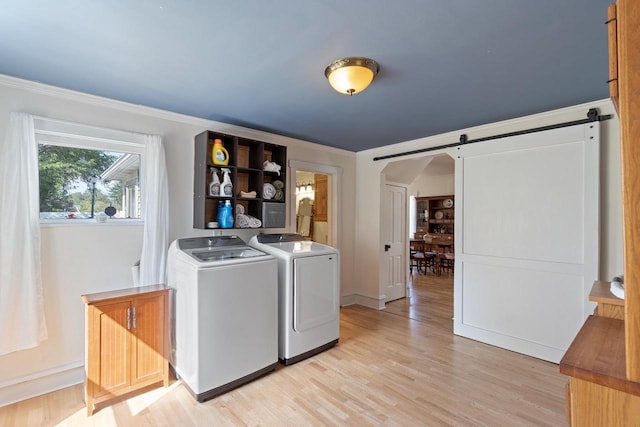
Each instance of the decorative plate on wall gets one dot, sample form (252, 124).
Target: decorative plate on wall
(448, 203)
(438, 215)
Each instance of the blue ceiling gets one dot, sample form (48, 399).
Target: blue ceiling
(444, 64)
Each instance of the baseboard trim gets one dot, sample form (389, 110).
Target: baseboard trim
(38, 383)
(377, 303)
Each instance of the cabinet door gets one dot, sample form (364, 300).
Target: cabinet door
(112, 349)
(320, 202)
(422, 217)
(149, 346)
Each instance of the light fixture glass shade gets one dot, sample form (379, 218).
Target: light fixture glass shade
(351, 75)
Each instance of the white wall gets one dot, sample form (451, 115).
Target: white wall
(368, 286)
(96, 257)
(426, 185)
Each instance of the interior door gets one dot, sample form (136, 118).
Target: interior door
(526, 239)
(394, 225)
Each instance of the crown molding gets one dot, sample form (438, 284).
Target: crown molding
(85, 98)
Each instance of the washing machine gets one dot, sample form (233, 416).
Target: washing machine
(224, 313)
(308, 294)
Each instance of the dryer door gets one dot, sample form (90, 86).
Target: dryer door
(315, 291)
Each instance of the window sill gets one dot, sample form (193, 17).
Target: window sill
(47, 223)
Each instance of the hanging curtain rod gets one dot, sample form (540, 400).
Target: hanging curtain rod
(592, 116)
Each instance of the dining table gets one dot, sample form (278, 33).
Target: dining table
(437, 244)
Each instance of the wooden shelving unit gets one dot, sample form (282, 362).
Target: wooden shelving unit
(246, 159)
(435, 216)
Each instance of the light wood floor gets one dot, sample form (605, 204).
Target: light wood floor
(429, 300)
(398, 367)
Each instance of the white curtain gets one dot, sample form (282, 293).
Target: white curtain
(22, 320)
(155, 213)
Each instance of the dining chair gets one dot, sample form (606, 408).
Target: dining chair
(417, 260)
(430, 258)
(446, 262)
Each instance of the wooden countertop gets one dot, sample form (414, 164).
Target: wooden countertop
(101, 296)
(601, 293)
(597, 355)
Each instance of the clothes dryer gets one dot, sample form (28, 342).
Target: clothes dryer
(308, 294)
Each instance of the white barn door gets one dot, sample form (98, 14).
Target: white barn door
(527, 239)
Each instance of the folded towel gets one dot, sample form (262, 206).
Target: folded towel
(242, 221)
(272, 167)
(246, 221)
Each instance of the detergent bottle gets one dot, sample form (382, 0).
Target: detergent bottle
(227, 186)
(214, 187)
(219, 154)
(221, 214)
(225, 215)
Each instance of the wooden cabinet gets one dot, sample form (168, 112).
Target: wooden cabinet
(126, 341)
(246, 163)
(599, 392)
(628, 54)
(320, 198)
(603, 362)
(435, 216)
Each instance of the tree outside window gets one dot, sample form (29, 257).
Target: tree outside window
(72, 184)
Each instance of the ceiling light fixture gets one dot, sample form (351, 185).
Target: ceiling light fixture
(351, 75)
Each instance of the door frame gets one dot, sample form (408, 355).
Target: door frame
(333, 198)
(383, 181)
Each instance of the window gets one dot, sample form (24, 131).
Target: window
(412, 217)
(87, 172)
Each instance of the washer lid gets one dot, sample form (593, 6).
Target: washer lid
(222, 254)
(210, 242)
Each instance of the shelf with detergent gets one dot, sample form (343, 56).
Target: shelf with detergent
(246, 162)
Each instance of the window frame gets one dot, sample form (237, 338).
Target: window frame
(75, 135)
